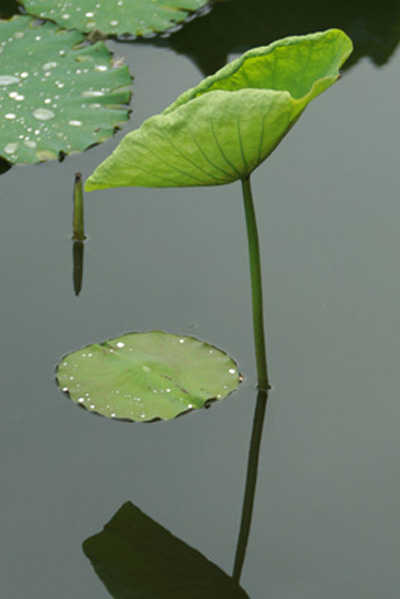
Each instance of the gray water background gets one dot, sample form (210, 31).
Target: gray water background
(326, 520)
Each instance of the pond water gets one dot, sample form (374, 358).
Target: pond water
(326, 515)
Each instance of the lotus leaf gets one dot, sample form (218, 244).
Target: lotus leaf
(55, 95)
(115, 17)
(222, 129)
(147, 376)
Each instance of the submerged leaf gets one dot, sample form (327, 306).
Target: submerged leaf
(115, 17)
(147, 376)
(222, 129)
(55, 96)
(137, 558)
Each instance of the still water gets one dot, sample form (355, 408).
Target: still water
(326, 516)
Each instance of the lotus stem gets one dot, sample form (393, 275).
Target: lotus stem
(78, 219)
(256, 285)
(251, 480)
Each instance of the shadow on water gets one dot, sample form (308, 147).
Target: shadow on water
(9, 8)
(235, 26)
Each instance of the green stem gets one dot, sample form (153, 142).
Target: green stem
(251, 480)
(262, 378)
(256, 285)
(78, 220)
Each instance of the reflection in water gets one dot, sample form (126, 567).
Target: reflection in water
(8, 8)
(78, 250)
(135, 557)
(4, 166)
(236, 26)
(251, 481)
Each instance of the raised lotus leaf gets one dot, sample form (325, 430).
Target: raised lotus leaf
(147, 376)
(56, 96)
(223, 128)
(115, 17)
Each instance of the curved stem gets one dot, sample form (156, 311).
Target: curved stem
(262, 378)
(251, 480)
(256, 285)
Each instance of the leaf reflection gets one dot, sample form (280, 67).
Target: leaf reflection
(135, 557)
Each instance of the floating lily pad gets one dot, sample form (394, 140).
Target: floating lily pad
(115, 17)
(223, 128)
(147, 376)
(55, 95)
(136, 558)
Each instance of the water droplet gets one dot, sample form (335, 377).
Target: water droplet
(19, 98)
(11, 148)
(65, 389)
(120, 344)
(10, 116)
(113, 23)
(8, 79)
(43, 114)
(30, 143)
(92, 407)
(190, 406)
(113, 415)
(24, 75)
(47, 101)
(181, 341)
(89, 14)
(168, 390)
(232, 371)
(81, 400)
(65, 16)
(101, 67)
(92, 93)
(49, 65)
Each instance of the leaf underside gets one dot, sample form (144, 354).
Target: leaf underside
(222, 129)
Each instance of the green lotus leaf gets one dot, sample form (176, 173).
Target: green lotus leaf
(222, 129)
(136, 558)
(147, 376)
(115, 17)
(55, 95)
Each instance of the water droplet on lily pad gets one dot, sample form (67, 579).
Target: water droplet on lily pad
(148, 376)
(34, 98)
(43, 114)
(115, 17)
(8, 79)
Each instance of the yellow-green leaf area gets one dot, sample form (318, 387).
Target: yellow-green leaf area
(147, 376)
(115, 17)
(222, 129)
(56, 95)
